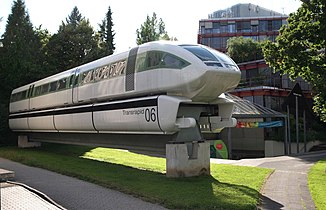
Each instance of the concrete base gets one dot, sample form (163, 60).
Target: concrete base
(24, 143)
(180, 164)
(276, 148)
(6, 175)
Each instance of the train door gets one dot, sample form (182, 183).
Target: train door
(75, 82)
(29, 95)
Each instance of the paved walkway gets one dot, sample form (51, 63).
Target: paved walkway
(69, 192)
(287, 187)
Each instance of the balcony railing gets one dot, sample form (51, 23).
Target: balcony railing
(283, 83)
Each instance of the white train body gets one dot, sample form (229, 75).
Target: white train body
(145, 90)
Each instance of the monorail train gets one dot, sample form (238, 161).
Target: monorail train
(155, 88)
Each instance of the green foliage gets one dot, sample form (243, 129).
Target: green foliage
(106, 34)
(73, 45)
(317, 184)
(242, 49)
(228, 187)
(299, 50)
(20, 59)
(151, 30)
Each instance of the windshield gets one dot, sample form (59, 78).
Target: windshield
(211, 57)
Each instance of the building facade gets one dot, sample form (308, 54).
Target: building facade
(247, 20)
(259, 83)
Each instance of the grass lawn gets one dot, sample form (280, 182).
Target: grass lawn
(228, 187)
(317, 184)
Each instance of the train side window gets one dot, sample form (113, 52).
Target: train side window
(62, 84)
(53, 86)
(71, 80)
(88, 77)
(37, 91)
(154, 59)
(98, 73)
(117, 68)
(140, 62)
(44, 89)
(76, 77)
(174, 62)
(13, 97)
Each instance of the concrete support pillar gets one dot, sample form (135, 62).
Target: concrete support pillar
(24, 143)
(182, 162)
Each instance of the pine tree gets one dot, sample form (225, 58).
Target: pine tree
(21, 52)
(73, 45)
(75, 18)
(20, 60)
(107, 35)
(151, 30)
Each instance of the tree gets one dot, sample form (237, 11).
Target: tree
(299, 50)
(107, 35)
(244, 49)
(75, 43)
(20, 59)
(151, 30)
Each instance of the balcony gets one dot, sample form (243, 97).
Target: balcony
(277, 82)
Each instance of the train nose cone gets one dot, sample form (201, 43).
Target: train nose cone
(215, 83)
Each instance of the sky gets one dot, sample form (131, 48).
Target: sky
(181, 17)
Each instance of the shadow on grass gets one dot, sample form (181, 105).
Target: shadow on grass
(205, 192)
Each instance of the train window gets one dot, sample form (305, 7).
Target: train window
(44, 89)
(62, 84)
(202, 53)
(98, 73)
(87, 77)
(174, 62)
(159, 59)
(53, 86)
(153, 59)
(140, 62)
(71, 80)
(117, 68)
(37, 91)
(18, 96)
(76, 77)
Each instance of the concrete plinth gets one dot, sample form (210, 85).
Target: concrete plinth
(24, 143)
(6, 175)
(180, 164)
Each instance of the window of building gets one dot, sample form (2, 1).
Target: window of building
(231, 28)
(246, 26)
(224, 42)
(262, 37)
(224, 27)
(259, 100)
(216, 42)
(208, 31)
(276, 24)
(263, 25)
(270, 25)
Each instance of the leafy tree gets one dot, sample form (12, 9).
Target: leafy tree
(44, 35)
(244, 49)
(107, 35)
(20, 58)
(75, 43)
(299, 50)
(151, 30)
